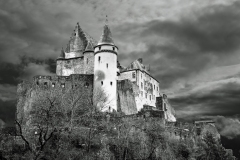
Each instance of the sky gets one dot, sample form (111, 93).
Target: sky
(192, 47)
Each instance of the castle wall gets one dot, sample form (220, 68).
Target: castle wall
(66, 67)
(29, 91)
(126, 97)
(148, 87)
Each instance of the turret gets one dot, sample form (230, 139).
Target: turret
(105, 68)
(89, 59)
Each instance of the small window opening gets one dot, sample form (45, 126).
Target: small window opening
(114, 48)
(99, 47)
(99, 58)
(101, 82)
(145, 95)
(133, 75)
(111, 83)
(87, 60)
(118, 74)
(141, 85)
(165, 107)
(86, 84)
(107, 65)
(37, 82)
(150, 97)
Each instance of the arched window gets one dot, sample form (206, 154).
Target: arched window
(101, 82)
(111, 83)
(99, 58)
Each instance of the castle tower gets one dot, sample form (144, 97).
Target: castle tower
(89, 59)
(105, 68)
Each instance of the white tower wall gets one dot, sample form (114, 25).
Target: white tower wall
(105, 74)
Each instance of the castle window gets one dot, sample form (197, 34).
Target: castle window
(111, 83)
(63, 85)
(86, 84)
(53, 84)
(165, 107)
(118, 74)
(101, 82)
(150, 97)
(154, 86)
(141, 85)
(99, 58)
(99, 48)
(107, 65)
(114, 48)
(87, 60)
(133, 75)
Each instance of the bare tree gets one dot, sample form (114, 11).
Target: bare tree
(45, 120)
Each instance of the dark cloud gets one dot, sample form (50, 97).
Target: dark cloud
(187, 46)
(228, 127)
(7, 111)
(218, 99)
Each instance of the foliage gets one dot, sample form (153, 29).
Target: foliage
(61, 126)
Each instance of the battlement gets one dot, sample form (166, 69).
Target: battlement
(64, 81)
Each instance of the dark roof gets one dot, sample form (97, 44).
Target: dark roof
(106, 36)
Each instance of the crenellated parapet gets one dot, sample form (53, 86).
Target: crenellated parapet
(71, 81)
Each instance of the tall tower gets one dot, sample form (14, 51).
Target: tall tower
(105, 68)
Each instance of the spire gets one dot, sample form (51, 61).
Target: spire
(77, 30)
(106, 35)
(62, 55)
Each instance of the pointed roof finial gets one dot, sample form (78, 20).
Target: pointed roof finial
(106, 21)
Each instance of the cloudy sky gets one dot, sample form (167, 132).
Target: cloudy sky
(192, 46)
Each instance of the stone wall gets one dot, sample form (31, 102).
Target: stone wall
(28, 91)
(66, 67)
(88, 62)
(126, 97)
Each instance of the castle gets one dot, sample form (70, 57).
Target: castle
(92, 65)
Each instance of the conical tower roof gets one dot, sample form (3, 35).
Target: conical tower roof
(89, 47)
(106, 37)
